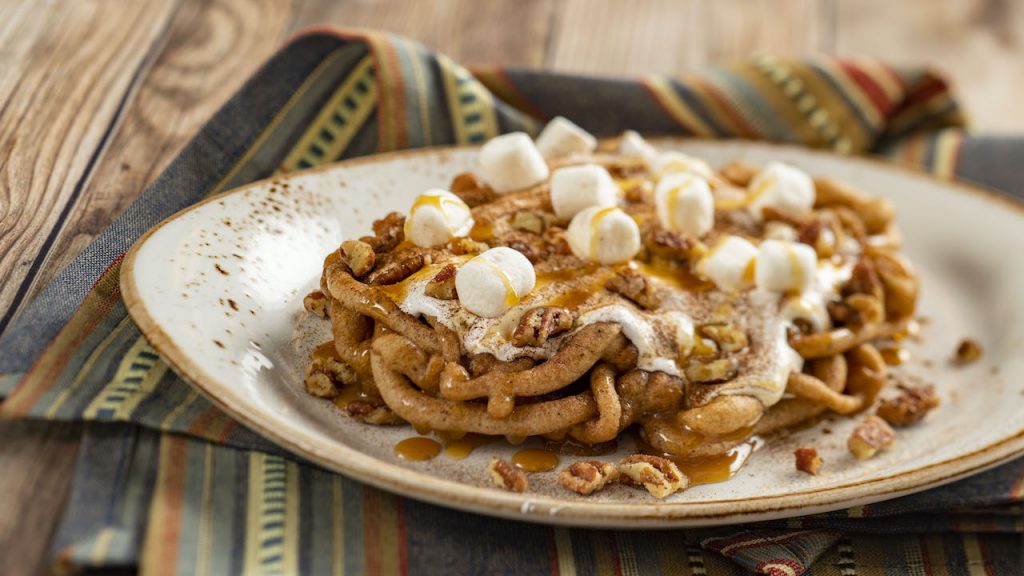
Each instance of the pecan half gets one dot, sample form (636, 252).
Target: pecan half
(316, 302)
(672, 245)
(397, 270)
(388, 232)
(659, 476)
(588, 476)
(359, 256)
(462, 245)
(539, 324)
(530, 221)
(910, 406)
(869, 437)
(968, 351)
(635, 286)
(325, 376)
(442, 285)
(807, 460)
(472, 189)
(372, 413)
(729, 338)
(505, 475)
(712, 372)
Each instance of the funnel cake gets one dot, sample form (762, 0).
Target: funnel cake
(660, 342)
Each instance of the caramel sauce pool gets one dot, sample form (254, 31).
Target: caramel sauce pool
(417, 448)
(535, 460)
(460, 449)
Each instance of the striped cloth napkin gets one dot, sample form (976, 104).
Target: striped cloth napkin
(167, 482)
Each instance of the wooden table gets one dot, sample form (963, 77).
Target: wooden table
(97, 96)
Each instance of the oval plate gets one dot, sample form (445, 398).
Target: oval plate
(218, 290)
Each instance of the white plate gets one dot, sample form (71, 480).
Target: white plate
(259, 249)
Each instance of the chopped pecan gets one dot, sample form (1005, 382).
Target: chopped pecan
(319, 384)
(325, 376)
(968, 351)
(712, 372)
(530, 221)
(673, 246)
(588, 476)
(472, 189)
(857, 310)
(532, 252)
(505, 475)
(739, 173)
(910, 406)
(442, 285)
(864, 280)
(359, 256)
(556, 241)
(316, 302)
(388, 232)
(807, 460)
(659, 476)
(398, 270)
(818, 234)
(635, 286)
(729, 338)
(462, 245)
(869, 437)
(539, 324)
(372, 413)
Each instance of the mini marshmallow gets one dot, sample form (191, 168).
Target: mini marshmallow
(511, 162)
(787, 190)
(494, 281)
(784, 266)
(809, 308)
(436, 217)
(603, 235)
(633, 144)
(673, 161)
(685, 204)
(561, 138)
(574, 188)
(728, 264)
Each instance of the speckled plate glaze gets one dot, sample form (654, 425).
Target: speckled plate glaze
(218, 291)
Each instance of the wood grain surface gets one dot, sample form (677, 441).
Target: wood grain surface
(97, 97)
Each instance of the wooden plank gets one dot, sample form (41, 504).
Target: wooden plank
(67, 66)
(211, 47)
(600, 37)
(978, 44)
(469, 31)
(38, 460)
(672, 36)
(734, 29)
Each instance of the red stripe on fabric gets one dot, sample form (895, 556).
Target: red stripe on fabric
(19, 405)
(748, 540)
(926, 560)
(521, 101)
(371, 530)
(654, 96)
(553, 554)
(400, 118)
(1017, 489)
(228, 430)
(614, 546)
(924, 91)
(871, 89)
(728, 109)
(174, 489)
(985, 558)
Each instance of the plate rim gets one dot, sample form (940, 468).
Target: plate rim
(423, 486)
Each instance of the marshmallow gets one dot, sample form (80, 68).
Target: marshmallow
(561, 138)
(784, 266)
(673, 161)
(436, 217)
(685, 204)
(494, 281)
(809, 308)
(604, 235)
(511, 162)
(574, 188)
(787, 190)
(633, 144)
(728, 264)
